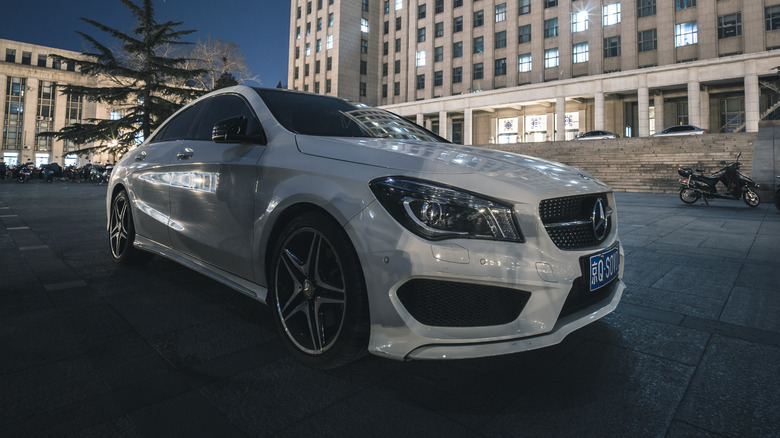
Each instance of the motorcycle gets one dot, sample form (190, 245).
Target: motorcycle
(695, 185)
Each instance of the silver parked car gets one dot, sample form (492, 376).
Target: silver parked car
(596, 135)
(365, 232)
(680, 130)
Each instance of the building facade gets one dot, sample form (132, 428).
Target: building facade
(31, 103)
(506, 71)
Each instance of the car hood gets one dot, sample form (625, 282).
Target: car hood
(456, 164)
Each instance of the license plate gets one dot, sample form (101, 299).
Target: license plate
(604, 267)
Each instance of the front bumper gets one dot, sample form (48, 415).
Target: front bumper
(392, 257)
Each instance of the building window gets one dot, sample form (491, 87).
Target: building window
(771, 14)
(41, 60)
(479, 45)
(329, 42)
(684, 4)
(14, 110)
(610, 14)
(399, 4)
(26, 58)
(525, 7)
(551, 58)
(685, 34)
(421, 11)
(319, 5)
(457, 24)
(317, 66)
(297, 52)
(579, 21)
(438, 54)
(318, 46)
(384, 90)
(397, 23)
(362, 89)
(45, 114)
(71, 66)
(524, 63)
(387, 7)
(330, 19)
(319, 24)
(396, 89)
(439, 6)
(386, 28)
(363, 67)
(307, 50)
(551, 27)
(306, 69)
(730, 25)
(500, 67)
(550, 3)
(457, 3)
(579, 53)
(457, 49)
(645, 8)
(439, 29)
(438, 78)
(298, 32)
(421, 35)
(648, 40)
(363, 46)
(682, 113)
(317, 87)
(365, 5)
(500, 12)
(329, 63)
(500, 39)
(421, 82)
(457, 75)
(732, 113)
(524, 34)
(397, 45)
(612, 47)
(327, 86)
(479, 70)
(364, 25)
(10, 55)
(55, 63)
(397, 66)
(308, 7)
(420, 59)
(308, 28)
(384, 69)
(479, 18)
(385, 47)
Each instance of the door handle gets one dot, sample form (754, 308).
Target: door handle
(185, 154)
(141, 156)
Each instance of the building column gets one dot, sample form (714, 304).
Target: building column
(658, 107)
(694, 98)
(560, 117)
(752, 113)
(598, 123)
(421, 119)
(705, 109)
(643, 95)
(467, 116)
(443, 124)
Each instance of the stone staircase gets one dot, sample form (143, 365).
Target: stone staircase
(644, 164)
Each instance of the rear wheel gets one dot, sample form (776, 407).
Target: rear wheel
(318, 293)
(751, 198)
(121, 233)
(688, 195)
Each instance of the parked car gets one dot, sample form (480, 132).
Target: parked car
(680, 130)
(366, 233)
(596, 135)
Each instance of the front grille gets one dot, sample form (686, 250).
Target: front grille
(449, 304)
(569, 220)
(580, 296)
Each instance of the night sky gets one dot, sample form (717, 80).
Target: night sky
(259, 27)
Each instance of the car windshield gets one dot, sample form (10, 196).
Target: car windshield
(325, 116)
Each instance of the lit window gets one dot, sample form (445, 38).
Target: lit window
(364, 25)
(420, 59)
(524, 63)
(307, 52)
(579, 21)
(500, 12)
(610, 14)
(551, 58)
(685, 34)
(319, 45)
(580, 53)
(399, 4)
(329, 42)
(330, 19)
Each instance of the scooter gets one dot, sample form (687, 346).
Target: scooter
(697, 185)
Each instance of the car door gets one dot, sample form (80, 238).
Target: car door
(149, 173)
(212, 190)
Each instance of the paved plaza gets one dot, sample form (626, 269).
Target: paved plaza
(89, 348)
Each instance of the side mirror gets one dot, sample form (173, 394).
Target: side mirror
(233, 130)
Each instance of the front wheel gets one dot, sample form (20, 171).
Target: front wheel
(318, 294)
(688, 195)
(751, 198)
(121, 233)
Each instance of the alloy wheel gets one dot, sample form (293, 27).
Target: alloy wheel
(119, 232)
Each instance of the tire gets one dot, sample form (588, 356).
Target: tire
(688, 195)
(318, 293)
(751, 198)
(121, 233)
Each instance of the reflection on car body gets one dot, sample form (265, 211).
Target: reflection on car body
(366, 233)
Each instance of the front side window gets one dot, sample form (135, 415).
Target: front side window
(551, 27)
(551, 58)
(730, 25)
(610, 14)
(579, 21)
(524, 63)
(685, 34)
(580, 53)
(612, 47)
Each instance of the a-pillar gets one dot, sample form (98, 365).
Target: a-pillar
(751, 97)
(643, 95)
(443, 124)
(560, 116)
(658, 105)
(599, 110)
(694, 98)
(467, 118)
(705, 109)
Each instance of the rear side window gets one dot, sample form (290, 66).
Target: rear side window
(224, 107)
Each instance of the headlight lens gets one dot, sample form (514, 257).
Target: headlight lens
(437, 212)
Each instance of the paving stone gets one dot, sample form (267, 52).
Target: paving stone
(752, 307)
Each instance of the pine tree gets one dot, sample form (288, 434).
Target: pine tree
(136, 77)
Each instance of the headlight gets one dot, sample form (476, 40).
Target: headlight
(436, 212)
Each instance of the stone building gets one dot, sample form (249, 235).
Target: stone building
(506, 71)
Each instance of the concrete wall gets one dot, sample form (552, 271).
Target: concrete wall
(646, 164)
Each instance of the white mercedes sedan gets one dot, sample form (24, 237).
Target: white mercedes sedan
(364, 232)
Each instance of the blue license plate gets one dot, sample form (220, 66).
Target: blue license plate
(604, 267)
